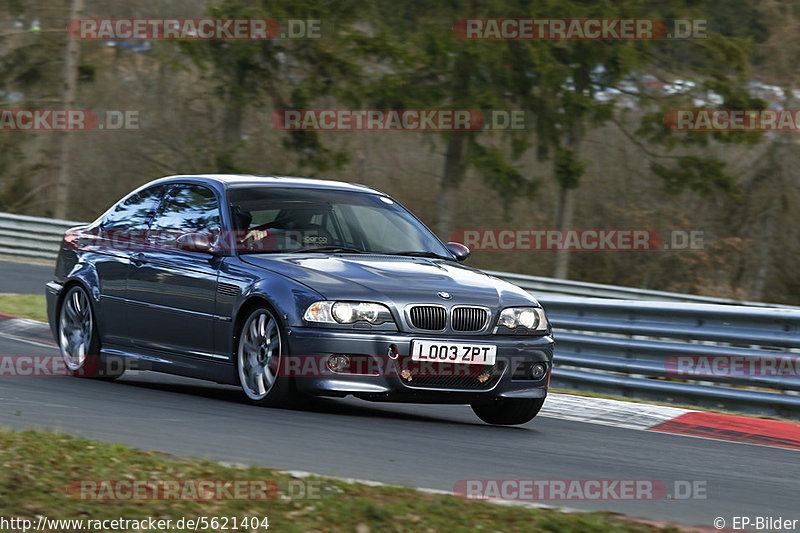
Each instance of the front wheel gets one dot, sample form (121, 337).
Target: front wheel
(508, 411)
(258, 360)
(79, 341)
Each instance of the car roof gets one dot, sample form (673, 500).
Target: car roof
(236, 180)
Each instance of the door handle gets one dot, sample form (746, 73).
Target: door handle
(138, 259)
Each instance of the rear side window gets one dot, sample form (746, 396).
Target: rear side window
(189, 208)
(134, 212)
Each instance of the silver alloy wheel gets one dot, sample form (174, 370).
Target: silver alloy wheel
(259, 354)
(75, 328)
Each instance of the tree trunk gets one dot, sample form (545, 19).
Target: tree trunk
(454, 156)
(566, 209)
(765, 237)
(71, 61)
(566, 215)
(232, 115)
(448, 186)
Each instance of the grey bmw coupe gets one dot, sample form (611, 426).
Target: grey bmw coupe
(291, 287)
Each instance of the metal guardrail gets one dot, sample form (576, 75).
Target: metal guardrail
(611, 339)
(33, 237)
(541, 285)
(733, 357)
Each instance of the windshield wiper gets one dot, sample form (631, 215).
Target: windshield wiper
(432, 255)
(327, 249)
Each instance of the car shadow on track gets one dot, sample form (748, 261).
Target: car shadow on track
(333, 406)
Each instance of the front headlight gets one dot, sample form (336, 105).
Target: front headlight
(327, 312)
(529, 318)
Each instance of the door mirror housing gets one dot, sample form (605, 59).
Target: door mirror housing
(460, 251)
(194, 242)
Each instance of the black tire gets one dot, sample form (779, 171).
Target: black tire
(508, 411)
(278, 393)
(79, 341)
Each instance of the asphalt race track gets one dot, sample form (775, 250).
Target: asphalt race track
(414, 445)
(24, 278)
(423, 446)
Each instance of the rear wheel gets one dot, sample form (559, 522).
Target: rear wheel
(258, 360)
(79, 341)
(508, 411)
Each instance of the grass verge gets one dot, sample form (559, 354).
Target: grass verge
(38, 466)
(24, 305)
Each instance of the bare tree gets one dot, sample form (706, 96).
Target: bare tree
(72, 55)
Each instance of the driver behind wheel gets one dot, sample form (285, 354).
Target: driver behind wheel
(291, 230)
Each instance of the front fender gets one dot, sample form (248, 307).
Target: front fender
(286, 296)
(289, 298)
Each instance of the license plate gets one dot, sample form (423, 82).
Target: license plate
(453, 352)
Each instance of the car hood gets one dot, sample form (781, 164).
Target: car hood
(401, 280)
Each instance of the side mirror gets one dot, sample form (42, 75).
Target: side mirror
(193, 242)
(460, 251)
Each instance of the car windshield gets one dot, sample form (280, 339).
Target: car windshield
(274, 220)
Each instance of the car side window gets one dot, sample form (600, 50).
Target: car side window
(134, 212)
(187, 209)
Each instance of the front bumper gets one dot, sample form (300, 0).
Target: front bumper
(512, 351)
